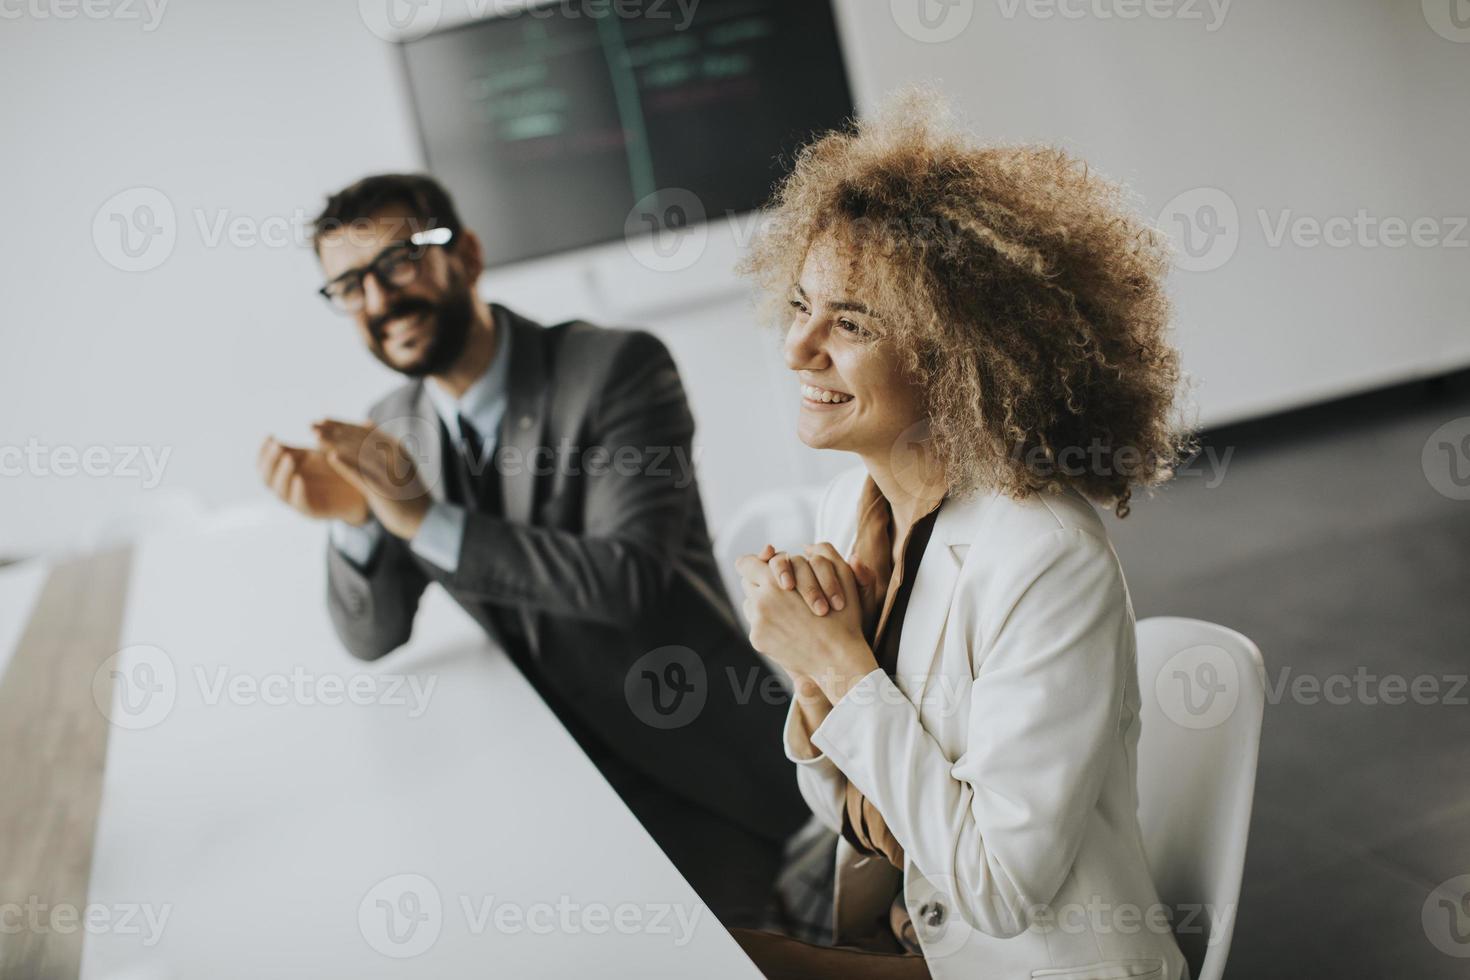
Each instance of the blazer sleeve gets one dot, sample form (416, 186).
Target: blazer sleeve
(1002, 824)
(817, 776)
(373, 605)
(637, 508)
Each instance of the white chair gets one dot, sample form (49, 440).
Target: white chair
(1204, 691)
(784, 518)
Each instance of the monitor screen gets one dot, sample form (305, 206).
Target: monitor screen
(549, 126)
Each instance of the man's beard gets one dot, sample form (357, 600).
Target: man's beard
(451, 318)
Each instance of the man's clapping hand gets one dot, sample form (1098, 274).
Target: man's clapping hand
(378, 466)
(304, 479)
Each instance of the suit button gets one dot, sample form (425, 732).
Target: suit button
(932, 913)
(356, 604)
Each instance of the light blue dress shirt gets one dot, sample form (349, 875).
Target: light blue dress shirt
(438, 539)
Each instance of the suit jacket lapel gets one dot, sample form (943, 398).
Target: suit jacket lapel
(425, 443)
(525, 415)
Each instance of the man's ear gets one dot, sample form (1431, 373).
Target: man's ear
(471, 254)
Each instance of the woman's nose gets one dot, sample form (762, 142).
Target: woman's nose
(804, 348)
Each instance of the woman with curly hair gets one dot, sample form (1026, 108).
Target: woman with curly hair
(985, 327)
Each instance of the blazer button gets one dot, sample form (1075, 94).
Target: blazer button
(932, 913)
(356, 603)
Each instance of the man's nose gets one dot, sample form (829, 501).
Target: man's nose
(805, 347)
(374, 296)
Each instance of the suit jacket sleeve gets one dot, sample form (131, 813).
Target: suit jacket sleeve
(373, 606)
(639, 501)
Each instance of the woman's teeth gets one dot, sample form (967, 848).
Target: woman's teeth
(823, 395)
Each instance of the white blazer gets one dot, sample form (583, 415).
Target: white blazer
(1003, 754)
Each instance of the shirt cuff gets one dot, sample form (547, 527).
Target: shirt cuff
(439, 537)
(357, 544)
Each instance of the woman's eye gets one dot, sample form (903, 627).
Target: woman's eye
(797, 304)
(852, 328)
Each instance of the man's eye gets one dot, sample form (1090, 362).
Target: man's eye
(797, 304)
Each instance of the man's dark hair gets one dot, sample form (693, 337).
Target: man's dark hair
(424, 197)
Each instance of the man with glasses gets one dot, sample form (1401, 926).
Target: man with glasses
(535, 474)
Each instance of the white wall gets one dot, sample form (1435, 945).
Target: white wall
(1316, 108)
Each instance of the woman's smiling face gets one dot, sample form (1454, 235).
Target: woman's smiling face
(854, 394)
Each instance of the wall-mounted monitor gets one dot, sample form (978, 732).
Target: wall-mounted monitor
(549, 125)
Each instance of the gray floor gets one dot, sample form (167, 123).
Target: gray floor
(1326, 543)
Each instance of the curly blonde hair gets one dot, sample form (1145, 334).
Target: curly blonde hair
(1026, 298)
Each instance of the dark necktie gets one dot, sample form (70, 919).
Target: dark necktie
(480, 483)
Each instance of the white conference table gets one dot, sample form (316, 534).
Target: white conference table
(273, 807)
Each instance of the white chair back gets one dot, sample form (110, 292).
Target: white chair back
(1204, 691)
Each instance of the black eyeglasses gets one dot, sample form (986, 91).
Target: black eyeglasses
(395, 267)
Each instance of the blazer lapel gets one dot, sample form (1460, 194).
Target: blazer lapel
(525, 415)
(929, 602)
(425, 443)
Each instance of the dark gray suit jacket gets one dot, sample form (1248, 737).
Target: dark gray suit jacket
(601, 557)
